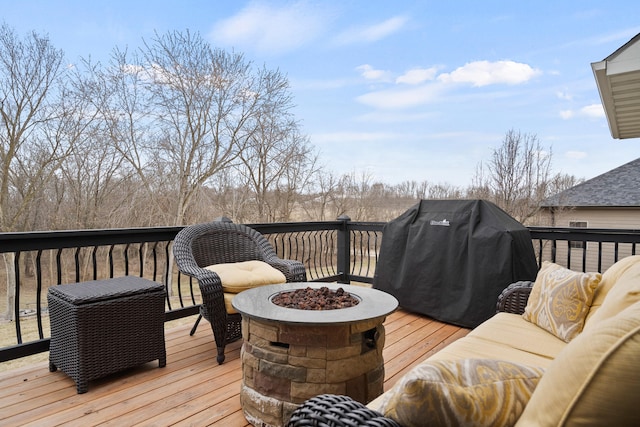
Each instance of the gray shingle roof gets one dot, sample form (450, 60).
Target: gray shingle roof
(620, 187)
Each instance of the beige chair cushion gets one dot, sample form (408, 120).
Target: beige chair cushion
(623, 290)
(228, 298)
(240, 276)
(473, 392)
(595, 380)
(560, 300)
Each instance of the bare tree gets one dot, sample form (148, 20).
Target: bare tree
(318, 202)
(300, 177)
(277, 165)
(518, 177)
(180, 112)
(30, 107)
(38, 124)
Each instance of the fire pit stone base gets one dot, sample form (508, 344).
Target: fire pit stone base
(285, 364)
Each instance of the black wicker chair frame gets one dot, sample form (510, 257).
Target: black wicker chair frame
(330, 410)
(514, 297)
(219, 242)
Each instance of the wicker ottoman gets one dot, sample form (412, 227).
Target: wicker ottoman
(104, 326)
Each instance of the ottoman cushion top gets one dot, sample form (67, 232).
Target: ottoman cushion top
(102, 290)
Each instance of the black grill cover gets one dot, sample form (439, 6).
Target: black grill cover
(450, 259)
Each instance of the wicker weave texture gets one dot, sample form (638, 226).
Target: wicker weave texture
(514, 297)
(330, 410)
(92, 340)
(218, 242)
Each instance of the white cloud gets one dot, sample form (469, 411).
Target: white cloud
(566, 114)
(346, 137)
(575, 155)
(595, 111)
(370, 73)
(400, 98)
(318, 84)
(394, 117)
(372, 33)
(417, 76)
(269, 28)
(564, 95)
(483, 73)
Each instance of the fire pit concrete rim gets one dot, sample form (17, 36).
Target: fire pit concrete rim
(256, 303)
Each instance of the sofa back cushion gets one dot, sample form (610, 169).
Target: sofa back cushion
(595, 380)
(619, 288)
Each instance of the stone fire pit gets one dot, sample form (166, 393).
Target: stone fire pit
(290, 355)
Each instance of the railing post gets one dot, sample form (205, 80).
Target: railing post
(344, 249)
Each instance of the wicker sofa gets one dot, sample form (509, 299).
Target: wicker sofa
(563, 350)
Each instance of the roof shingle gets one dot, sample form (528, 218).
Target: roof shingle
(620, 187)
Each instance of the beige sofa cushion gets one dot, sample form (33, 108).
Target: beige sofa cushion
(513, 331)
(478, 392)
(240, 276)
(560, 300)
(610, 277)
(621, 288)
(595, 380)
(474, 347)
(505, 336)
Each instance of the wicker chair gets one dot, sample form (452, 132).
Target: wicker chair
(218, 242)
(331, 410)
(514, 298)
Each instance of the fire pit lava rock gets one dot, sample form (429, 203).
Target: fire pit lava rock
(315, 299)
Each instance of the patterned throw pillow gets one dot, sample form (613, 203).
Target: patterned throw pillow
(473, 392)
(560, 300)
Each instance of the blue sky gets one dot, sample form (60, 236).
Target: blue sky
(399, 90)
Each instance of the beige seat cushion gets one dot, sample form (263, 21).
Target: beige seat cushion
(475, 347)
(473, 392)
(622, 290)
(560, 300)
(595, 380)
(228, 298)
(240, 276)
(513, 331)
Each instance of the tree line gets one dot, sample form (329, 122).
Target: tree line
(179, 132)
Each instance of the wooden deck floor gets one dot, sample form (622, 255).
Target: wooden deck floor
(191, 390)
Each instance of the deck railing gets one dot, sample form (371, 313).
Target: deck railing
(343, 251)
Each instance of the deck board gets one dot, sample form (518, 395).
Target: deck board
(192, 390)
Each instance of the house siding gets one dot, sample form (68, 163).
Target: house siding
(588, 257)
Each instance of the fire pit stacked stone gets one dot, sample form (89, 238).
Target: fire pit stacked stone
(290, 355)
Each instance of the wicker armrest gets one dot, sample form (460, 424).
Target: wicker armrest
(337, 411)
(293, 270)
(514, 297)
